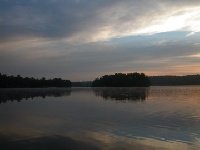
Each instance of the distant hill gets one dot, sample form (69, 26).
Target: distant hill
(82, 84)
(175, 80)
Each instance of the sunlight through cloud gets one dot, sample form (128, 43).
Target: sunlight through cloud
(187, 21)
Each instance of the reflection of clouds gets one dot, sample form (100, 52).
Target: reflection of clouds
(90, 141)
(122, 94)
(162, 122)
(197, 141)
(108, 140)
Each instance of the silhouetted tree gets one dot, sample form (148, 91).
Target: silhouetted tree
(19, 82)
(122, 80)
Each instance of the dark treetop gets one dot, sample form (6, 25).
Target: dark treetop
(122, 80)
(19, 82)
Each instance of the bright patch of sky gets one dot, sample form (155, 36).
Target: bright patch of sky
(188, 20)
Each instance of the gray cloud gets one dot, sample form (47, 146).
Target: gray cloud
(90, 60)
(81, 40)
(83, 20)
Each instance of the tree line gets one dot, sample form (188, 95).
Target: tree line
(116, 80)
(122, 80)
(175, 80)
(20, 82)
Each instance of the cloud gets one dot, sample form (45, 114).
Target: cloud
(87, 61)
(96, 20)
(190, 34)
(81, 40)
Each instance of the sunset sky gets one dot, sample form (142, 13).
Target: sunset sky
(80, 40)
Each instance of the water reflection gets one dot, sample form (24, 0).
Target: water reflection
(76, 143)
(19, 94)
(122, 94)
(168, 120)
(46, 143)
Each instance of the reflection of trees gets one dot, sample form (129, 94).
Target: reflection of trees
(19, 94)
(122, 94)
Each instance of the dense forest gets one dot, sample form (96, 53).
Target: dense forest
(122, 80)
(20, 82)
(175, 80)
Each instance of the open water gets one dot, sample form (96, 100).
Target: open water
(155, 118)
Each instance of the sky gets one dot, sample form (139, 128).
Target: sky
(81, 40)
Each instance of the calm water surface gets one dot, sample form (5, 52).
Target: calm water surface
(155, 118)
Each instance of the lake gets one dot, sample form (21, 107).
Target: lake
(154, 118)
